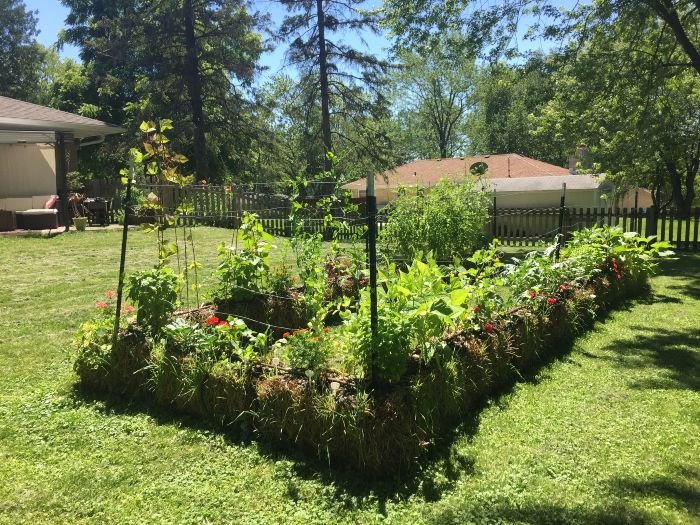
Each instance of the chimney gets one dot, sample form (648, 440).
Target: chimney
(578, 156)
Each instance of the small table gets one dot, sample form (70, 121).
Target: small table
(97, 211)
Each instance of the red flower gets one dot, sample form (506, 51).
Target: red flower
(326, 329)
(286, 334)
(212, 320)
(532, 293)
(488, 327)
(618, 275)
(128, 309)
(477, 308)
(551, 300)
(101, 305)
(109, 294)
(222, 323)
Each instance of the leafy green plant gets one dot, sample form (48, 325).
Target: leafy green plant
(306, 349)
(242, 273)
(155, 292)
(447, 221)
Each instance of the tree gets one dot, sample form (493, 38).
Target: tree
(490, 26)
(21, 57)
(346, 81)
(505, 99)
(433, 95)
(617, 92)
(191, 60)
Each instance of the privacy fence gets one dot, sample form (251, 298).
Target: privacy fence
(224, 206)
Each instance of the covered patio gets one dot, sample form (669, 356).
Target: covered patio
(38, 148)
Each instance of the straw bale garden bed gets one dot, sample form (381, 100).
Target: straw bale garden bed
(447, 337)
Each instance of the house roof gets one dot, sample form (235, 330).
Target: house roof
(16, 115)
(429, 172)
(547, 183)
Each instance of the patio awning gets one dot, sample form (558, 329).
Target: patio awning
(20, 116)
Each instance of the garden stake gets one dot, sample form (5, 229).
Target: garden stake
(561, 221)
(372, 253)
(122, 259)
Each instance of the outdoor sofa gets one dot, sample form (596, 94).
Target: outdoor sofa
(29, 213)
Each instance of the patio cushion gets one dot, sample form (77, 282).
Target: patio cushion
(51, 203)
(18, 203)
(39, 211)
(38, 201)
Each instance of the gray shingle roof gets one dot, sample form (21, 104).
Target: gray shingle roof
(20, 115)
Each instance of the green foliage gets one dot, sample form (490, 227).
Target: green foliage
(306, 349)
(21, 57)
(432, 94)
(414, 306)
(244, 272)
(155, 292)
(215, 340)
(448, 222)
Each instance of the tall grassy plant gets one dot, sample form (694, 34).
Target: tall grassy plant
(447, 221)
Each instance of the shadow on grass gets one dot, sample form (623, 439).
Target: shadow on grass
(672, 351)
(622, 504)
(687, 269)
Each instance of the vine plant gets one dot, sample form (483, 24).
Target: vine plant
(157, 162)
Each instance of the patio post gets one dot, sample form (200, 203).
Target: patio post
(65, 160)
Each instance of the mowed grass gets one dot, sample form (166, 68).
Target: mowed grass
(609, 433)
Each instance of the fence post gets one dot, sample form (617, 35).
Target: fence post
(122, 260)
(372, 256)
(494, 225)
(651, 221)
(560, 228)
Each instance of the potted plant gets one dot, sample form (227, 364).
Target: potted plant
(79, 220)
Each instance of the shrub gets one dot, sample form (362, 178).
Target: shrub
(155, 292)
(448, 222)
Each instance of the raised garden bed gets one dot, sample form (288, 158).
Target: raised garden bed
(386, 426)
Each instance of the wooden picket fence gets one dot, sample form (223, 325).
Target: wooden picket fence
(224, 206)
(529, 227)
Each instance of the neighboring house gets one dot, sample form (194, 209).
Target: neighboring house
(38, 147)
(518, 182)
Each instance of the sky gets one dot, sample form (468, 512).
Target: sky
(52, 15)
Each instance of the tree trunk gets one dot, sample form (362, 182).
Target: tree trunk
(683, 203)
(323, 75)
(194, 88)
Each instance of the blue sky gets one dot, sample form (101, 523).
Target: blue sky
(52, 15)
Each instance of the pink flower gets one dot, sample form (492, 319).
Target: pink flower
(532, 293)
(212, 320)
(551, 300)
(101, 305)
(488, 327)
(128, 309)
(109, 294)
(563, 287)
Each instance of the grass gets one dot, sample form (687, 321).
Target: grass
(606, 434)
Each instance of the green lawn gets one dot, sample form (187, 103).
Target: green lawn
(608, 434)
